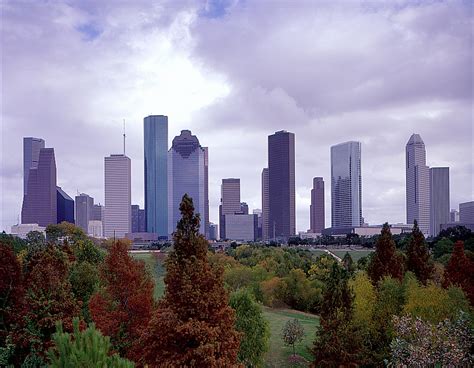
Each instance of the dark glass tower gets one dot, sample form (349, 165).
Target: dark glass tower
(281, 185)
(65, 206)
(316, 210)
(31, 149)
(40, 202)
(155, 129)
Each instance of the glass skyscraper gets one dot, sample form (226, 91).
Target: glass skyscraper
(316, 209)
(186, 174)
(439, 198)
(346, 185)
(155, 131)
(31, 150)
(65, 207)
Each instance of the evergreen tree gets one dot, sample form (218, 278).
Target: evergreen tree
(337, 343)
(385, 261)
(348, 263)
(193, 324)
(418, 258)
(253, 326)
(460, 271)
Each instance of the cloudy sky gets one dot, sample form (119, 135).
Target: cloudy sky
(234, 72)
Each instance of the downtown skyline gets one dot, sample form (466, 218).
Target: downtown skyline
(232, 110)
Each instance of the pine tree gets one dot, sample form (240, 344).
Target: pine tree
(385, 261)
(337, 343)
(460, 271)
(193, 324)
(418, 260)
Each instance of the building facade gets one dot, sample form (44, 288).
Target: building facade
(466, 212)
(281, 185)
(117, 216)
(316, 209)
(40, 201)
(138, 219)
(265, 205)
(213, 231)
(454, 216)
(22, 230)
(241, 227)
(65, 206)
(155, 129)
(417, 184)
(31, 150)
(230, 202)
(95, 228)
(346, 185)
(186, 174)
(439, 198)
(84, 209)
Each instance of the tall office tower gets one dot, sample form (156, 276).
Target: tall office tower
(213, 231)
(417, 184)
(64, 207)
(439, 198)
(186, 174)
(230, 202)
(31, 150)
(117, 196)
(40, 202)
(138, 219)
(244, 208)
(84, 209)
(258, 212)
(206, 190)
(94, 227)
(466, 212)
(316, 209)
(454, 216)
(97, 212)
(265, 205)
(346, 185)
(281, 184)
(155, 129)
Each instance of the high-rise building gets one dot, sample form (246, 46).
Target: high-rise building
(84, 208)
(244, 208)
(186, 174)
(64, 206)
(230, 202)
(346, 185)
(97, 216)
(97, 212)
(138, 219)
(466, 212)
(439, 198)
(213, 229)
(281, 185)
(241, 227)
(206, 190)
(31, 150)
(258, 212)
(40, 201)
(156, 173)
(117, 196)
(417, 184)
(316, 209)
(454, 216)
(265, 206)
(95, 228)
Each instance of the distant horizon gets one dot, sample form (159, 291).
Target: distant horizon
(234, 73)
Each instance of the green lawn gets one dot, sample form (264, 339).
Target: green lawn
(355, 254)
(278, 353)
(156, 269)
(318, 252)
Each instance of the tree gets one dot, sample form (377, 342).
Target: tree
(301, 293)
(193, 324)
(123, 306)
(385, 261)
(460, 271)
(337, 343)
(292, 333)
(418, 258)
(88, 348)
(253, 326)
(442, 247)
(348, 263)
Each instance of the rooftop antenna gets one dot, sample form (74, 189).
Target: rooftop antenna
(124, 137)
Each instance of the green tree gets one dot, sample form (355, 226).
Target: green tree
(292, 333)
(444, 246)
(301, 293)
(88, 348)
(418, 258)
(253, 326)
(348, 263)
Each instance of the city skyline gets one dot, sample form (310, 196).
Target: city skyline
(233, 109)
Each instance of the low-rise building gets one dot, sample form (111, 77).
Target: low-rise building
(241, 227)
(22, 230)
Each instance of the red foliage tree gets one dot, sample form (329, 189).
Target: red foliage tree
(418, 258)
(460, 271)
(123, 307)
(193, 325)
(385, 261)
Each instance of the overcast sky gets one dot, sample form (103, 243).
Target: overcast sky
(234, 72)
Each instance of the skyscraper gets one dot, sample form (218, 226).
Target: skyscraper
(346, 185)
(466, 212)
(316, 209)
(65, 207)
(156, 173)
(281, 184)
(265, 205)
(439, 198)
(40, 201)
(186, 174)
(206, 191)
(117, 219)
(31, 150)
(138, 219)
(230, 202)
(84, 208)
(417, 184)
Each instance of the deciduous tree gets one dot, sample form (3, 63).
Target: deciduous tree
(460, 271)
(292, 333)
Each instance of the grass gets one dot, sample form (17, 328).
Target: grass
(278, 353)
(355, 254)
(155, 267)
